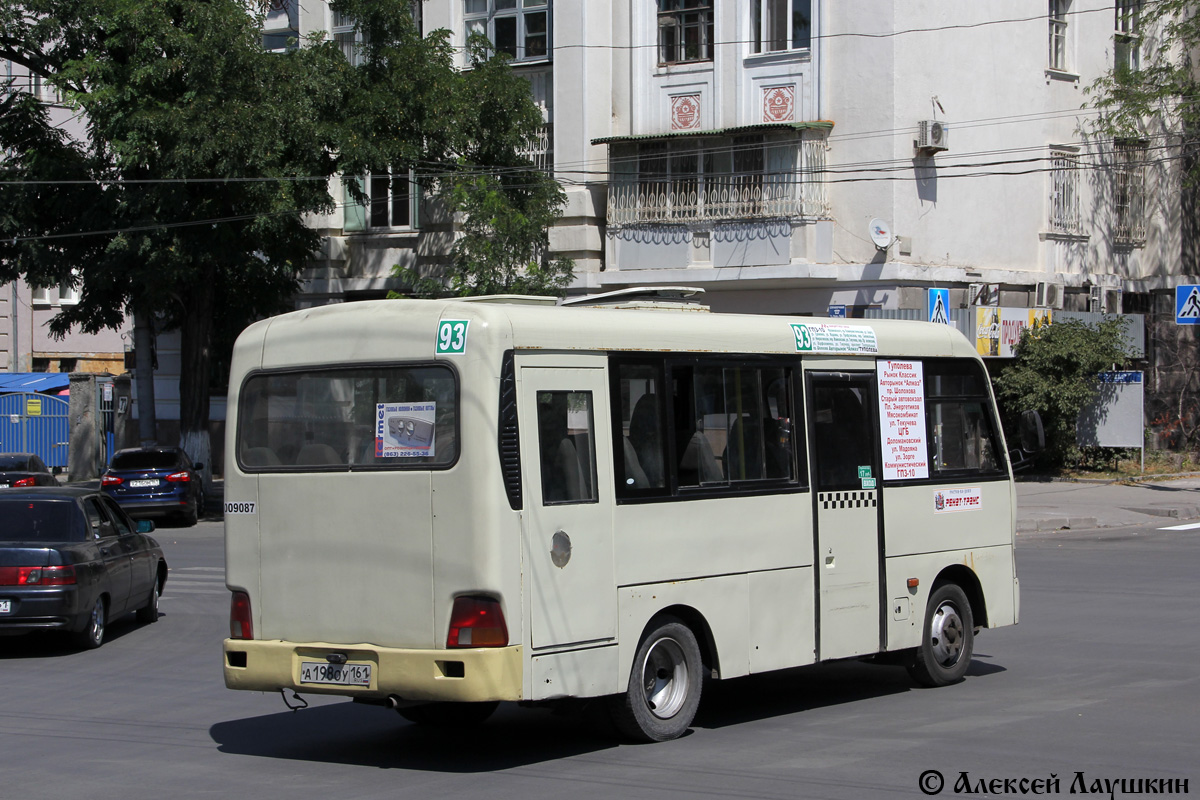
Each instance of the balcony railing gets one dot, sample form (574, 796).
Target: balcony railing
(799, 194)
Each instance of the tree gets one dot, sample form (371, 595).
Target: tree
(1054, 373)
(505, 204)
(204, 152)
(1152, 76)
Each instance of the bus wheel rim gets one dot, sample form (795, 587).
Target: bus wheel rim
(665, 678)
(947, 635)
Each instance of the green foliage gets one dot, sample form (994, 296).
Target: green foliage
(1054, 373)
(204, 154)
(505, 204)
(1164, 85)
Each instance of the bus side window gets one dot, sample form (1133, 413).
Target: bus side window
(959, 419)
(568, 463)
(638, 427)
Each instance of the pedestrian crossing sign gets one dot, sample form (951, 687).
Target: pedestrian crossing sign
(1187, 304)
(939, 306)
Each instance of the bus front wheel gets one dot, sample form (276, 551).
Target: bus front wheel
(947, 639)
(664, 685)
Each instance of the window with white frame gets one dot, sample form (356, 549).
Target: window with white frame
(39, 295)
(1129, 193)
(716, 178)
(685, 31)
(1064, 216)
(392, 201)
(1060, 55)
(280, 31)
(780, 25)
(520, 28)
(68, 293)
(345, 36)
(1127, 40)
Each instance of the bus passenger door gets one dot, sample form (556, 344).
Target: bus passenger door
(846, 474)
(566, 455)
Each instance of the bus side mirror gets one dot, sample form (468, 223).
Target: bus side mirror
(1032, 437)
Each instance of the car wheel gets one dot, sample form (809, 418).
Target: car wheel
(92, 635)
(449, 715)
(947, 639)
(664, 685)
(149, 612)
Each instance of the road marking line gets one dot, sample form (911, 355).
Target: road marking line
(1191, 526)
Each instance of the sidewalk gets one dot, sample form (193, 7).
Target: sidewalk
(1051, 506)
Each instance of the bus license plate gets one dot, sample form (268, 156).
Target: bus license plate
(143, 483)
(5, 606)
(338, 674)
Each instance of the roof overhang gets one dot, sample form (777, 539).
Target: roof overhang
(766, 127)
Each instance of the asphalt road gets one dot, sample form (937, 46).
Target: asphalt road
(1100, 677)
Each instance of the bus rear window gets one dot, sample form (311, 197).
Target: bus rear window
(379, 417)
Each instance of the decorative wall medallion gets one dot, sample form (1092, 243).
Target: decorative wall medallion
(685, 112)
(779, 104)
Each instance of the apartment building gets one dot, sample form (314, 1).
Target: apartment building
(801, 156)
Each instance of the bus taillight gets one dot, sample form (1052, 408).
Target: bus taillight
(477, 622)
(240, 624)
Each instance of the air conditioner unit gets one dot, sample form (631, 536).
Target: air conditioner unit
(1049, 295)
(1096, 299)
(983, 294)
(932, 136)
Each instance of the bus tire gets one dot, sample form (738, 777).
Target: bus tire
(947, 639)
(449, 715)
(664, 685)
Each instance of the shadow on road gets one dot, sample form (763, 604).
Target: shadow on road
(348, 733)
(52, 644)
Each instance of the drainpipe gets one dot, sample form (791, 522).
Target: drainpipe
(143, 342)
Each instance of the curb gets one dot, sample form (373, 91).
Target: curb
(1056, 524)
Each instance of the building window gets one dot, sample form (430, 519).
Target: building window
(281, 30)
(347, 38)
(39, 295)
(68, 294)
(1129, 195)
(1127, 41)
(685, 31)
(391, 202)
(1064, 193)
(1059, 53)
(780, 25)
(520, 28)
(717, 178)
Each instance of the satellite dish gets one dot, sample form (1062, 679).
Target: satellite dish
(881, 233)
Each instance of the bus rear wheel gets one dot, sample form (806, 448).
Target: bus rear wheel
(449, 715)
(947, 639)
(664, 685)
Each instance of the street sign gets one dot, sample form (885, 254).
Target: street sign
(939, 306)
(1187, 304)
(837, 311)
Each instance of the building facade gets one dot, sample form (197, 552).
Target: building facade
(801, 156)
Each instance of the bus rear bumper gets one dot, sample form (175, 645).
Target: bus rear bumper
(463, 675)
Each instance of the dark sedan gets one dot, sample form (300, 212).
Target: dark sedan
(71, 560)
(24, 469)
(156, 482)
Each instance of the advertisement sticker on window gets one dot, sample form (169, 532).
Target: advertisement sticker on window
(404, 430)
(902, 420)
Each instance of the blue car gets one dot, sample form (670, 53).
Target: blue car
(157, 482)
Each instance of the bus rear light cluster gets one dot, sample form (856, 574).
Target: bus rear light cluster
(240, 624)
(477, 622)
